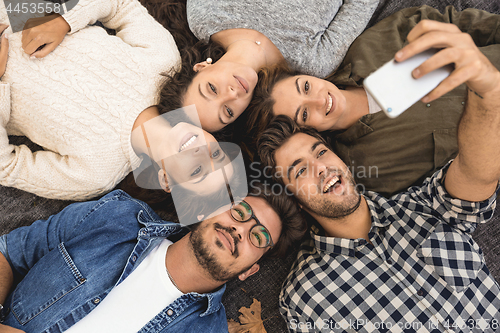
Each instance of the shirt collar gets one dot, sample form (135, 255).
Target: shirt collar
(348, 247)
(342, 246)
(361, 128)
(214, 300)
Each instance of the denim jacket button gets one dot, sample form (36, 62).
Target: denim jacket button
(96, 301)
(134, 258)
(170, 312)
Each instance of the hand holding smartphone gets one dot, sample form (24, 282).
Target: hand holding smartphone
(394, 88)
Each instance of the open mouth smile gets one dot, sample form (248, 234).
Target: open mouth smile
(333, 183)
(188, 140)
(329, 105)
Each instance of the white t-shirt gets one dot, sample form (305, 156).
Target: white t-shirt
(373, 107)
(134, 302)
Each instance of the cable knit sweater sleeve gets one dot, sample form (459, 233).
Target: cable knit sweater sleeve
(123, 16)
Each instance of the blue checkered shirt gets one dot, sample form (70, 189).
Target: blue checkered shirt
(423, 273)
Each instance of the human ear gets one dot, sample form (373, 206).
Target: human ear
(251, 271)
(200, 66)
(162, 179)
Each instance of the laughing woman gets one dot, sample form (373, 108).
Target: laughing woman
(81, 101)
(385, 155)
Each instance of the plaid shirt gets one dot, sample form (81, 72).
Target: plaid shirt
(423, 273)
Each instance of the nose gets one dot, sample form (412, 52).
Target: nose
(241, 229)
(316, 102)
(231, 93)
(320, 168)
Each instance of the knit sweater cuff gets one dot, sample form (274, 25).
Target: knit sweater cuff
(84, 13)
(4, 103)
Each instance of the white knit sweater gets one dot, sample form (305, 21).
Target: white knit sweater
(80, 102)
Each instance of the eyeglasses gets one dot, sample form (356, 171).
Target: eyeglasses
(259, 235)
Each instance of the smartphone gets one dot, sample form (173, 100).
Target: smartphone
(394, 88)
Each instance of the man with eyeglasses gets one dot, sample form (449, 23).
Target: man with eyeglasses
(113, 265)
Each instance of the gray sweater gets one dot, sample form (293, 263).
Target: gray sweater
(313, 36)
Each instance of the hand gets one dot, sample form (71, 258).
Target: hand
(458, 48)
(8, 329)
(42, 35)
(4, 49)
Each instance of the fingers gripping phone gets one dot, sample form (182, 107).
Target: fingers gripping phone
(394, 88)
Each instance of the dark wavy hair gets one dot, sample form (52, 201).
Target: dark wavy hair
(259, 112)
(293, 222)
(172, 15)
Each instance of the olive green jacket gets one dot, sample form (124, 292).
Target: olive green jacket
(388, 155)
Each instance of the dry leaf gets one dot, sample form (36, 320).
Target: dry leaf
(250, 320)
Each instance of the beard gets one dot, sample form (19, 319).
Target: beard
(322, 206)
(207, 258)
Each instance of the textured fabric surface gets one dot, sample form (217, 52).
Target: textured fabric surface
(19, 208)
(81, 105)
(313, 37)
(421, 267)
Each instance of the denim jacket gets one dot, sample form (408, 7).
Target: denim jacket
(64, 266)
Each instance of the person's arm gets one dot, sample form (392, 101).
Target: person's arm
(49, 174)
(23, 247)
(128, 18)
(474, 174)
(349, 23)
(6, 280)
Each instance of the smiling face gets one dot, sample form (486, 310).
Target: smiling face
(310, 101)
(193, 168)
(190, 158)
(222, 245)
(318, 178)
(221, 92)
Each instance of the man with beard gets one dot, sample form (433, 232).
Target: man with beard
(114, 266)
(408, 263)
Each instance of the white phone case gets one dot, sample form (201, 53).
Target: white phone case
(394, 88)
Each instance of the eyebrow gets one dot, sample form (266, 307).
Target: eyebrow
(315, 145)
(298, 109)
(201, 93)
(299, 160)
(290, 168)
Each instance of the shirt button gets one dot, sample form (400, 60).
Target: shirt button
(463, 103)
(96, 301)
(170, 312)
(389, 261)
(420, 292)
(428, 105)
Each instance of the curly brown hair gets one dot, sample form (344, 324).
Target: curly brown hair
(293, 222)
(172, 15)
(259, 112)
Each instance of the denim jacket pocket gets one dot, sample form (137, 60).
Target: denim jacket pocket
(28, 300)
(452, 256)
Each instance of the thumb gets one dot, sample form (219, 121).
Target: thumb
(44, 51)
(4, 52)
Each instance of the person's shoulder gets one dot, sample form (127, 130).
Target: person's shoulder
(118, 201)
